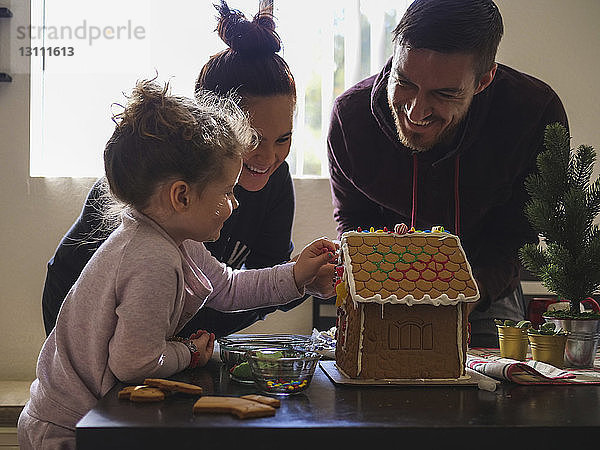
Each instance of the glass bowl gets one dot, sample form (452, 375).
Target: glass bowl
(282, 371)
(233, 348)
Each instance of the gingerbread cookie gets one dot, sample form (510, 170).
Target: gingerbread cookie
(125, 393)
(173, 386)
(146, 394)
(239, 407)
(274, 402)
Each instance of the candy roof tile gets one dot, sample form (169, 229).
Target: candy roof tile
(411, 268)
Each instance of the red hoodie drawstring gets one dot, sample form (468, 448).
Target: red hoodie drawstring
(414, 191)
(456, 194)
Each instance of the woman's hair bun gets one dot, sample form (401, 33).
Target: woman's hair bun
(257, 37)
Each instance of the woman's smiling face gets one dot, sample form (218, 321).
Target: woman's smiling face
(272, 117)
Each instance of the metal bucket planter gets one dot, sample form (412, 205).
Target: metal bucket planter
(548, 348)
(513, 342)
(582, 342)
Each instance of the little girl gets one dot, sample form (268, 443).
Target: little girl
(174, 162)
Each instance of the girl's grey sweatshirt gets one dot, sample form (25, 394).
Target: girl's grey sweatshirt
(135, 293)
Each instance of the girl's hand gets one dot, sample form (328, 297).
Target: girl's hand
(312, 258)
(205, 343)
(322, 285)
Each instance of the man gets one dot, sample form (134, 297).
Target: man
(445, 136)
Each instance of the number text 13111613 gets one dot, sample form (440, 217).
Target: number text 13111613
(47, 51)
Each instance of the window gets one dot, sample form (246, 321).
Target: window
(101, 48)
(330, 45)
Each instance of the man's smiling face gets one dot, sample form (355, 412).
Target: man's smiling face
(429, 94)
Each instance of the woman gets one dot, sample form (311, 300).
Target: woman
(258, 234)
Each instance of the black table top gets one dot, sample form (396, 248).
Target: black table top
(350, 417)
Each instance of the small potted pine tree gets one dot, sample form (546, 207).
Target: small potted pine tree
(563, 206)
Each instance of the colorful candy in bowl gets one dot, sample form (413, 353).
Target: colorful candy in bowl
(282, 371)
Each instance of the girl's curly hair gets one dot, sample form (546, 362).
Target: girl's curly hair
(161, 137)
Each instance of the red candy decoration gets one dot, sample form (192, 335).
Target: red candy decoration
(400, 228)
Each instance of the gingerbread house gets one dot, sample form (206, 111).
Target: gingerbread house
(402, 305)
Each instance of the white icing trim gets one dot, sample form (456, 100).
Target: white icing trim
(409, 299)
(360, 339)
(341, 371)
(459, 338)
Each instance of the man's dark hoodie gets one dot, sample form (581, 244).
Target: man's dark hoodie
(474, 187)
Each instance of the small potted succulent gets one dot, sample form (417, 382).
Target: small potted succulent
(548, 344)
(563, 208)
(512, 337)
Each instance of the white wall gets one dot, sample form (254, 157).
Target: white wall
(559, 42)
(555, 40)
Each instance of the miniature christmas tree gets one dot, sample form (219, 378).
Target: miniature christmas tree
(562, 209)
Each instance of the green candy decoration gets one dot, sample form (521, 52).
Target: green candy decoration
(242, 371)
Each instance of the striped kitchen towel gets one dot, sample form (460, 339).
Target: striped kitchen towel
(527, 372)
